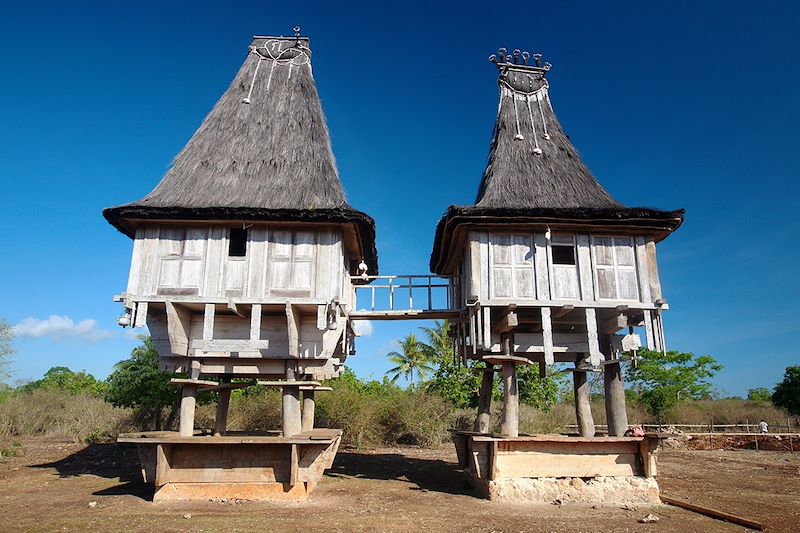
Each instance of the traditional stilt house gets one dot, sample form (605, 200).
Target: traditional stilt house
(243, 253)
(550, 266)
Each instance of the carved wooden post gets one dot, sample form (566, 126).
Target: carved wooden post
(510, 424)
(309, 405)
(291, 418)
(483, 421)
(583, 398)
(616, 414)
(188, 402)
(221, 419)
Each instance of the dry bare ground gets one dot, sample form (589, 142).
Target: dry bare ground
(48, 486)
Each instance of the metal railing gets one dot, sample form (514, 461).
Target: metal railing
(398, 292)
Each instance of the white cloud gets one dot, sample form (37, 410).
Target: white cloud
(363, 328)
(62, 327)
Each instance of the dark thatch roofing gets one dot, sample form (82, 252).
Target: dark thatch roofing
(261, 154)
(535, 176)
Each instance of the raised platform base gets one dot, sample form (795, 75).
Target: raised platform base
(634, 490)
(546, 468)
(245, 467)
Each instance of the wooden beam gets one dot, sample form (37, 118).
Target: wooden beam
(208, 322)
(595, 356)
(233, 309)
(188, 402)
(713, 513)
(510, 423)
(309, 406)
(583, 400)
(483, 420)
(487, 328)
(614, 324)
(293, 329)
(547, 336)
(255, 322)
(563, 311)
(616, 414)
(585, 268)
(178, 324)
(648, 329)
(223, 402)
(140, 320)
(507, 323)
(229, 345)
(291, 418)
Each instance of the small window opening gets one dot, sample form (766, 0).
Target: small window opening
(237, 243)
(563, 255)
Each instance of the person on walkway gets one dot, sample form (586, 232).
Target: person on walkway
(762, 426)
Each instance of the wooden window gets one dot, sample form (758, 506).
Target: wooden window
(291, 261)
(564, 278)
(615, 268)
(181, 260)
(237, 242)
(512, 266)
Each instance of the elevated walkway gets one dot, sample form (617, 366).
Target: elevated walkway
(406, 297)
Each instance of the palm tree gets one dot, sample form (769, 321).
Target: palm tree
(440, 342)
(412, 357)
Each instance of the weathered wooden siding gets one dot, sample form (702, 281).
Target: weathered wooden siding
(280, 262)
(601, 269)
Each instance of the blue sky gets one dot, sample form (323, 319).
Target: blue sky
(680, 104)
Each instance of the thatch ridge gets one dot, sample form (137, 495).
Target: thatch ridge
(271, 157)
(515, 175)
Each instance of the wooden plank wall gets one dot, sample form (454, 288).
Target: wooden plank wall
(202, 266)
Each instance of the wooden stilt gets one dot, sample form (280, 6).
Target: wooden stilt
(510, 423)
(309, 405)
(188, 402)
(221, 419)
(483, 421)
(583, 403)
(616, 414)
(291, 417)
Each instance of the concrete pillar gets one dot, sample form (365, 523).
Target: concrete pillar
(483, 421)
(309, 405)
(583, 397)
(188, 402)
(291, 417)
(221, 419)
(616, 413)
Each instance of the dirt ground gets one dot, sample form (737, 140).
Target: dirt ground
(48, 486)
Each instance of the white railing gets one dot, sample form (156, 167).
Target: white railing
(399, 293)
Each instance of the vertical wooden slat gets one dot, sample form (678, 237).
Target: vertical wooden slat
(141, 315)
(487, 328)
(484, 267)
(541, 267)
(642, 271)
(137, 260)
(652, 270)
(547, 336)
(595, 357)
(208, 322)
(255, 322)
(585, 268)
(648, 328)
(293, 330)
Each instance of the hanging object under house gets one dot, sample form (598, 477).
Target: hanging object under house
(550, 269)
(242, 263)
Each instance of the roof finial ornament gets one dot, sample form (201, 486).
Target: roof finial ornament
(525, 56)
(517, 53)
(537, 59)
(296, 30)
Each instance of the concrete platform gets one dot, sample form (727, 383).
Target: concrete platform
(545, 468)
(247, 467)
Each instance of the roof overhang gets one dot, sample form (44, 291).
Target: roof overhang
(458, 221)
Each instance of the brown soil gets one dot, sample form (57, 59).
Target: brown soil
(48, 487)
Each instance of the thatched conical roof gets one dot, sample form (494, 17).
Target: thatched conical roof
(263, 153)
(534, 175)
